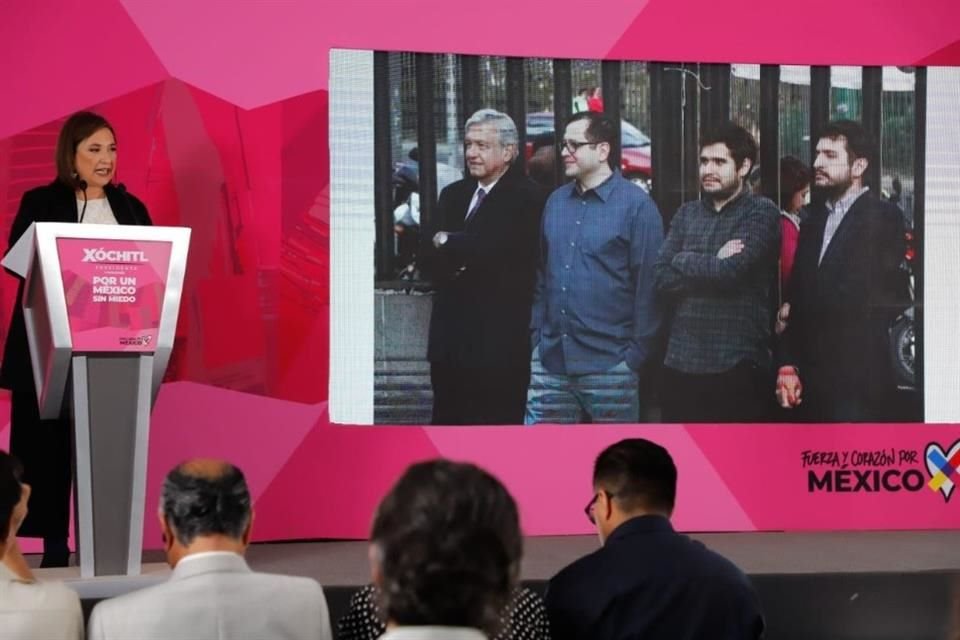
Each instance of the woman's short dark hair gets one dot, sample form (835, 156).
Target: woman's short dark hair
(449, 541)
(11, 473)
(75, 130)
(794, 176)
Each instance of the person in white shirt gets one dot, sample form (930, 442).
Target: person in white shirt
(206, 518)
(28, 609)
(445, 552)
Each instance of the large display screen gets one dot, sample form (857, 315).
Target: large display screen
(625, 326)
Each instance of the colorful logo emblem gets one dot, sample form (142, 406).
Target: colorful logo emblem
(943, 467)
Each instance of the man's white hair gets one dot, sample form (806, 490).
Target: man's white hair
(506, 129)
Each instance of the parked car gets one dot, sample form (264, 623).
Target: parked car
(634, 146)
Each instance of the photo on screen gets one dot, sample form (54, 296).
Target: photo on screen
(654, 242)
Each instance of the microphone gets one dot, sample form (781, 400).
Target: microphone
(82, 184)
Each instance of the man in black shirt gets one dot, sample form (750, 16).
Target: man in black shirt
(647, 581)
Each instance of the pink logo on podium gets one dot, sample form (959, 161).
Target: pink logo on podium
(114, 291)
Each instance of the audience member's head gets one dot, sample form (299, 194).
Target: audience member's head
(13, 498)
(631, 478)
(446, 547)
(205, 506)
(795, 178)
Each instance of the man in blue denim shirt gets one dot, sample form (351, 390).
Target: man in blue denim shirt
(594, 318)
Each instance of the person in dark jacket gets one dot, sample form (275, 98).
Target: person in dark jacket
(846, 290)
(482, 257)
(647, 581)
(83, 192)
(445, 553)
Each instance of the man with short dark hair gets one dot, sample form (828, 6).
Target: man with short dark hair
(594, 318)
(206, 517)
(646, 580)
(718, 267)
(28, 609)
(846, 290)
(482, 261)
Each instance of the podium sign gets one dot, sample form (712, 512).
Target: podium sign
(114, 292)
(100, 305)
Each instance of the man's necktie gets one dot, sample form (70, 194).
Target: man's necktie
(480, 195)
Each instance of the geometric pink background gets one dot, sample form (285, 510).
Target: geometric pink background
(221, 111)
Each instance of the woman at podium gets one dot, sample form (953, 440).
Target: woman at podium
(83, 192)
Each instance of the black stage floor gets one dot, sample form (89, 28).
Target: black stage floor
(902, 585)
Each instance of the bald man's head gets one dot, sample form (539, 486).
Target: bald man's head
(205, 497)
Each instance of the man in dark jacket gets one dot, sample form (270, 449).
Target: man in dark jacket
(647, 581)
(846, 290)
(483, 260)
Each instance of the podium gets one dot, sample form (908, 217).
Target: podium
(100, 303)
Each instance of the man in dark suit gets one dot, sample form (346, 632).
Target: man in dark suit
(647, 581)
(483, 260)
(846, 290)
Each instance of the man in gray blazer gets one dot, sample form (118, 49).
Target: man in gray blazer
(206, 516)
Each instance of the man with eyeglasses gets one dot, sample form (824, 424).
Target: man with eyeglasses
(482, 261)
(594, 319)
(647, 580)
(717, 268)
